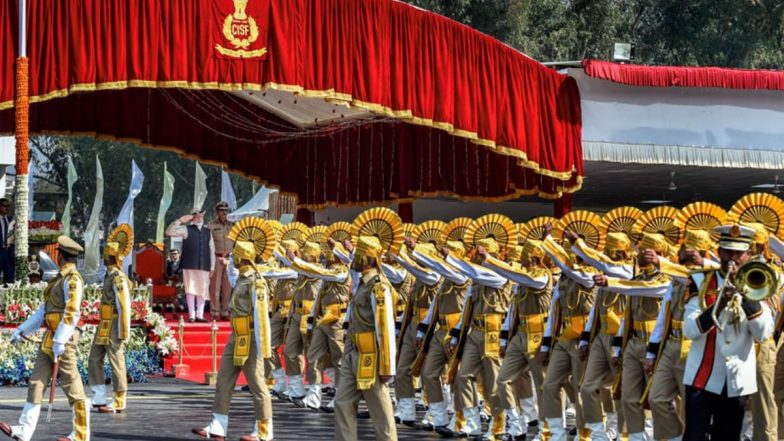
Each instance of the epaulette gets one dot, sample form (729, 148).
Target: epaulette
(379, 291)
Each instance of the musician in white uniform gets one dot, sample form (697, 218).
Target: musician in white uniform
(721, 365)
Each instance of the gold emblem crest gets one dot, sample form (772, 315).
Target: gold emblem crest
(241, 31)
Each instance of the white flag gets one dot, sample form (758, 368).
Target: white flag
(92, 243)
(227, 191)
(256, 206)
(126, 214)
(199, 188)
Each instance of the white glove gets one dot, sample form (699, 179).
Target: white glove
(58, 349)
(420, 335)
(16, 336)
(310, 326)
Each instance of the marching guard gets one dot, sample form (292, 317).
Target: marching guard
(249, 342)
(60, 314)
(114, 327)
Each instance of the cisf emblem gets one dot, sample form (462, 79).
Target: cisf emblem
(242, 28)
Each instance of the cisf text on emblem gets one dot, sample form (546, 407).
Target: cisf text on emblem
(240, 32)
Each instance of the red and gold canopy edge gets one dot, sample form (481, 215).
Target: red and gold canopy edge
(454, 87)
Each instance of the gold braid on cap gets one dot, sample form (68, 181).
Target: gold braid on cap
(762, 208)
(409, 229)
(296, 231)
(257, 231)
(455, 230)
(494, 226)
(123, 235)
(339, 232)
(430, 232)
(584, 224)
(659, 220)
(276, 225)
(620, 220)
(383, 224)
(701, 216)
(316, 234)
(535, 228)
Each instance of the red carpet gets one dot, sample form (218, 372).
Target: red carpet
(197, 348)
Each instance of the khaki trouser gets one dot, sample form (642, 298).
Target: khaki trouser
(779, 389)
(326, 339)
(116, 352)
(516, 365)
(347, 398)
(435, 364)
(564, 362)
(633, 384)
(220, 290)
(666, 387)
(764, 411)
(295, 348)
(473, 362)
(277, 323)
(254, 374)
(404, 382)
(599, 373)
(68, 374)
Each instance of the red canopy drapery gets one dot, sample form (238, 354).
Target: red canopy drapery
(683, 76)
(440, 88)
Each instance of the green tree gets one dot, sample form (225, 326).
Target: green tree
(50, 154)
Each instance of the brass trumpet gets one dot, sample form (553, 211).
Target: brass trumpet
(754, 280)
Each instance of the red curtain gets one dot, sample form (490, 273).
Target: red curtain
(452, 87)
(677, 76)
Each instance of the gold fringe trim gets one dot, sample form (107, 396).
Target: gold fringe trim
(329, 94)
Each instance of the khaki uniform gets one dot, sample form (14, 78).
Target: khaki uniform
(220, 290)
(245, 359)
(526, 328)
(327, 318)
(113, 330)
(281, 310)
(419, 301)
(639, 322)
(574, 304)
(764, 410)
(296, 342)
(607, 315)
(481, 350)
(60, 314)
(667, 382)
(370, 352)
(449, 307)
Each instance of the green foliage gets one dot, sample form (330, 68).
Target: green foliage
(734, 33)
(50, 156)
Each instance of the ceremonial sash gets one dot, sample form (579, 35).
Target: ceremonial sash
(105, 325)
(366, 345)
(533, 326)
(241, 327)
(261, 325)
(572, 326)
(611, 323)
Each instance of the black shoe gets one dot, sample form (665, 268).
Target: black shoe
(364, 415)
(421, 408)
(446, 432)
(484, 418)
(573, 432)
(428, 427)
(245, 388)
(202, 320)
(191, 320)
(505, 437)
(327, 409)
(328, 391)
(406, 423)
(298, 401)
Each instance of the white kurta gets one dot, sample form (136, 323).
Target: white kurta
(195, 282)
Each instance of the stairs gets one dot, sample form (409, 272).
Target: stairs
(197, 350)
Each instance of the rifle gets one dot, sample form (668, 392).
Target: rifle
(407, 314)
(454, 360)
(419, 361)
